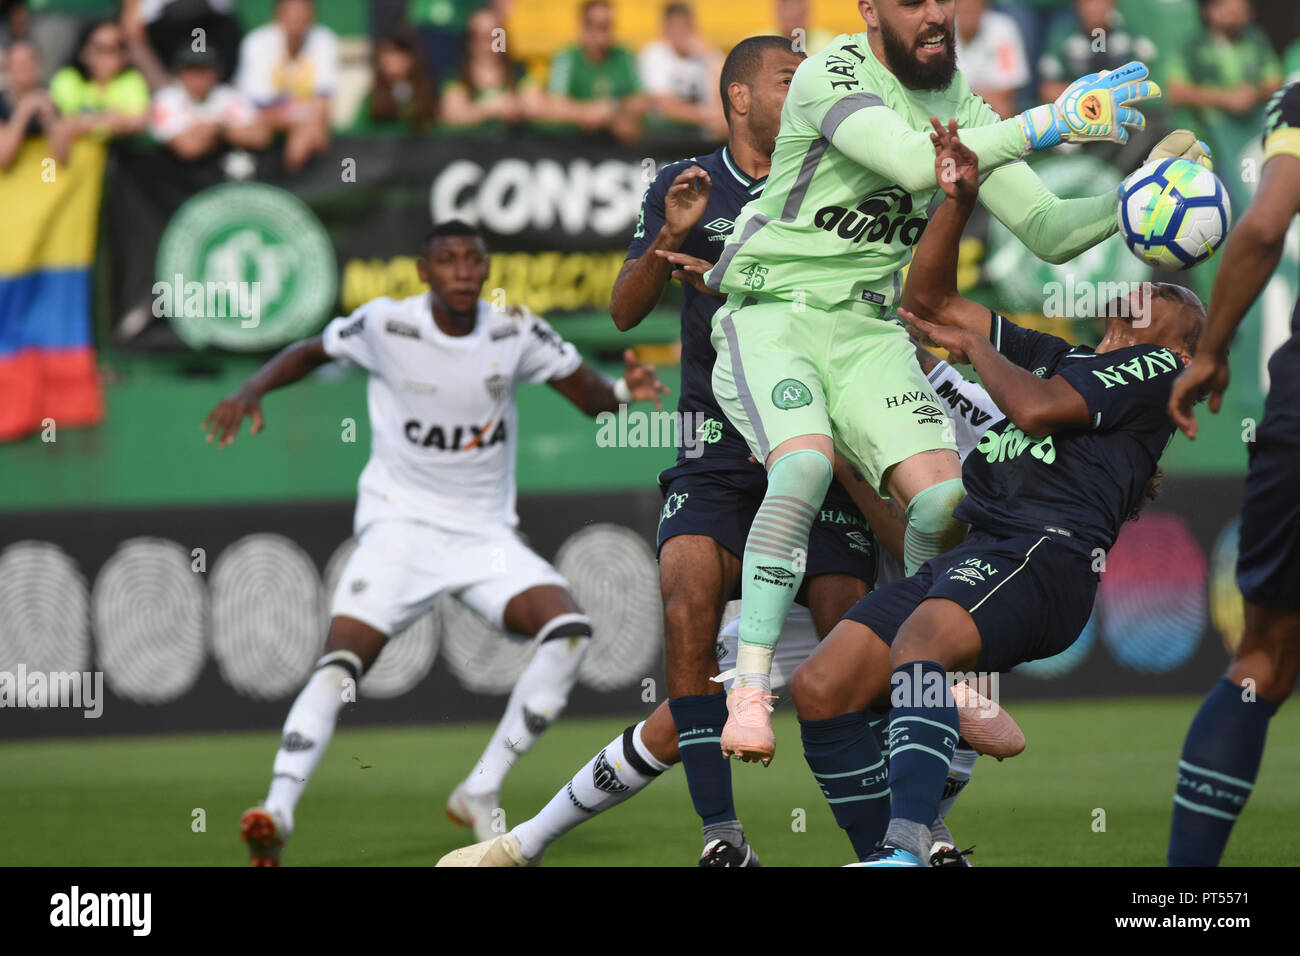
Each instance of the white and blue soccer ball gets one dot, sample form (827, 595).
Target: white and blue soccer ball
(1173, 213)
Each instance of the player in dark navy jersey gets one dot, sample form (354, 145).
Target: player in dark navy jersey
(1225, 743)
(1047, 490)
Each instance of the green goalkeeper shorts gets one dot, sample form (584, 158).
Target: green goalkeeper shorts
(785, 370)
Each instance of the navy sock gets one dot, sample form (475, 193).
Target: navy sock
(699, 719)
(1216, 773)
(878, 717)
(844, 757)
(922, 736)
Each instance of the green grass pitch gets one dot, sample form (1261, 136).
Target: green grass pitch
(378, 797)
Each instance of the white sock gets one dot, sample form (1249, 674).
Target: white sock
(309, 727)
(537, 699)
(623, 769)
(959, 771)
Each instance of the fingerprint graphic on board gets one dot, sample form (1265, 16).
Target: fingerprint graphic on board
(1227, 608)
(1153, 592)
(1058, 665)
(267, 625)
(615, 579)
(149, 620)
(43, 604)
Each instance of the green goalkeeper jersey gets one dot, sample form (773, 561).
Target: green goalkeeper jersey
(853, 175)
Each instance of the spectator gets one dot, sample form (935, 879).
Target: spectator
(442, 25)
(1097, 40)
(1225, 74)
(680, 75)
(289, 69)
(1291, 58)
(594, 84)
(55, 27)
(166, 25)
(26, 109)
(1037, 20)
(991, 55)
(401, 98)
(100, 94)
(491, 89)
(1169, 24)
(196, 114)
(15, 22)
(793, 19)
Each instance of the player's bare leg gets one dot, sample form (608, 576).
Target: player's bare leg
(351, 647)
(799, 472)
(1225, 743)
(829, 598)
(563, 634)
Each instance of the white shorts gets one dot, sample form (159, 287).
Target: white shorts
(400, 568)
(798, 640)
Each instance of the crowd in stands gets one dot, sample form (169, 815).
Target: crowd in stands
(190, 74)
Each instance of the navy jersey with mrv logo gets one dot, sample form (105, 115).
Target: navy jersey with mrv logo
(731, 189)
(1079, 484)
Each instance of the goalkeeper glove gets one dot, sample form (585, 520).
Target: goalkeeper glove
(1093, 108)
(1181, 144)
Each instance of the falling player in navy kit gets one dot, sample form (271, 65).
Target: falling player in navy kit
(436, 508)
(1225, 743)
(1046, 488)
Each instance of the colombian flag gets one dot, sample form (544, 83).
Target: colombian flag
(47, 247)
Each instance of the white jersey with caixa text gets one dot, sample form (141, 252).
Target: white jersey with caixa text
(443, 419)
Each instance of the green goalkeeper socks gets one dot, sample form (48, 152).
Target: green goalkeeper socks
(931, 528)
(776, 554)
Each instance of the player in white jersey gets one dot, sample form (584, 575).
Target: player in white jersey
(634, 759)
(436, 508)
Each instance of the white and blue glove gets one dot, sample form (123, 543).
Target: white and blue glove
(1093, 109)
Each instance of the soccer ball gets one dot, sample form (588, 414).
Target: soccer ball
(1173, 213)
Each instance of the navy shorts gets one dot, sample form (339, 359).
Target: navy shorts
(1268, 557)
(721, 504)
(1030, 595)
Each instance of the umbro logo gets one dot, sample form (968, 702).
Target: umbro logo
(858, 541)
(771, 574)
(928, 415)
(971, 576)
(359, 585)
(719, 225)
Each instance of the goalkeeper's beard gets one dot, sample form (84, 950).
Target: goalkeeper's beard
(911, 72)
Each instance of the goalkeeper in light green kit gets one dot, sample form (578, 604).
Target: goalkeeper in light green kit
(807, 361)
